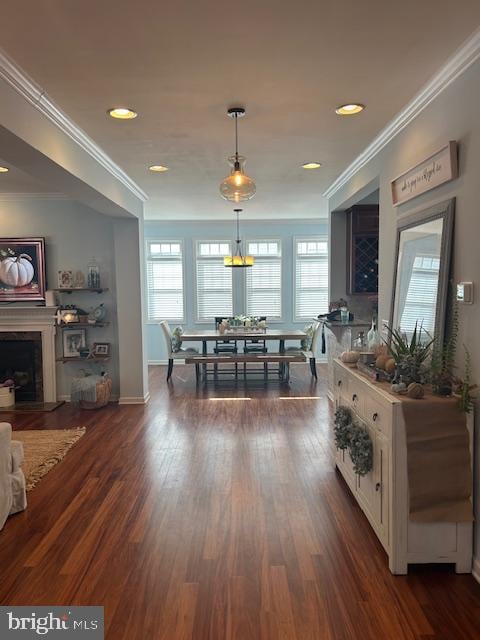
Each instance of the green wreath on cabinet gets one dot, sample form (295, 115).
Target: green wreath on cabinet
(354, 437)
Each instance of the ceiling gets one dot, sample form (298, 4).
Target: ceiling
(181, 64)
(19, 182)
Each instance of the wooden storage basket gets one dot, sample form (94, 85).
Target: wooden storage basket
(104, 389)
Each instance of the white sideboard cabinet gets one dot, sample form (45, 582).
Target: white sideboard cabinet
(383, 493)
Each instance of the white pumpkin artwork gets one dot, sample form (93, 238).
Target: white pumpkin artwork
(17, 271)
(22, 269)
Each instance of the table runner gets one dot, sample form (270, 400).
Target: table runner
(438, 460)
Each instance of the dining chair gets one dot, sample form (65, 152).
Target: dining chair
(256, 345)
(310, 353)
(175, 355)
(224, 346)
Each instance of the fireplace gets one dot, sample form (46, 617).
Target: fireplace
(37, 366)
(21, 361)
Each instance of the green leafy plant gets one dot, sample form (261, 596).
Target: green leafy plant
(361, 450)
(342, 427)
(355, 438)
(464, 388)
(443, 359)
(410, 356)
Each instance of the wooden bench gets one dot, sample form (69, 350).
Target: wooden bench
(283, 359)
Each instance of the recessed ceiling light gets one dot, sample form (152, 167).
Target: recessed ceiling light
(4, 169)
(159, 168)
(311, 165)
(122, 113)
(349, 109)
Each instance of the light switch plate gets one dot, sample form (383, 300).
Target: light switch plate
(465, 292)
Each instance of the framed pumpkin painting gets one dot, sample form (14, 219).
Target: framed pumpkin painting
(22, 269)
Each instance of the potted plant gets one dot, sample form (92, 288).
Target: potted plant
(411, 356)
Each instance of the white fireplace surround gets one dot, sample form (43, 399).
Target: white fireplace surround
(15, 319)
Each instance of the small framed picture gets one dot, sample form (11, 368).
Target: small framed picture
(73, 341)
(65, 279)
(68, 316)
(101, 349)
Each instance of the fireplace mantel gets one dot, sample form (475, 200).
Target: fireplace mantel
(17, 318)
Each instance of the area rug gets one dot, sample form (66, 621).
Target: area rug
(44, 449)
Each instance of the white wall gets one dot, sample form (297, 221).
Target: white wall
(73, 235)
(452, 116)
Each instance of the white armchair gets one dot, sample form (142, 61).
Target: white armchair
(12, 481)
(175, 355)
(311, 353)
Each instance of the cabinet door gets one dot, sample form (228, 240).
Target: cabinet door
(367, 492)
(362, 244)
(382, 485)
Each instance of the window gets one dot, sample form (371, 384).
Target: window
(165, 280)
(214, 281)
(311, 277)
(421, 298)
(264, 279)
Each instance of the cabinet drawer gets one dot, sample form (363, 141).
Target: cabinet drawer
(379, 415)
(356, 396)
(340, 381)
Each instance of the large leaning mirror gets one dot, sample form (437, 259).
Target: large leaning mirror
(424, 245)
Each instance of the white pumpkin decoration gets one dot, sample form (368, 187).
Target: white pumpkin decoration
(17, 271)
(350, 357)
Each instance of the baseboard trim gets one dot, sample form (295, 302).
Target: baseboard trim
(135, 399)
(476, 569)
(67, 398)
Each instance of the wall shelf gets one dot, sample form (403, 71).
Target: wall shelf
(78, 359)
(74, 289)
(82, 325)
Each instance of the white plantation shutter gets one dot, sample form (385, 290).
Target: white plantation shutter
(264, 279)
(214, 282)
(165, 281)
(421, 299)
(311, 277)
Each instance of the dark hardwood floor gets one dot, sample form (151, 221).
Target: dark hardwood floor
(216, 515)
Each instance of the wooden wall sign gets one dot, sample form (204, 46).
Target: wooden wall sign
(432, 172)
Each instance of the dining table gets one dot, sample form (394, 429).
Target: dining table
(211, 335)
(243, 333)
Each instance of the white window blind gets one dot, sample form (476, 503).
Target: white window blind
(264, 279)
(214, 282)
(311, 277)
(421, 300)
(165, 281)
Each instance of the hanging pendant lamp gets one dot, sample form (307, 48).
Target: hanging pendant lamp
(238, 259)
(237, 187)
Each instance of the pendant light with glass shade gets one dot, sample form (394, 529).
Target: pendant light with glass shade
(238, 259)
(237, 187)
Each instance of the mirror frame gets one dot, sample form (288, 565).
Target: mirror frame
(446, 211)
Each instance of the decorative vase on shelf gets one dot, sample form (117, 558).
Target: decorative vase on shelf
(373, 337)
(99, 313)
(93, 277)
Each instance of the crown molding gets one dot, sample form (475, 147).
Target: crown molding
(457, 64)
(37, 97)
